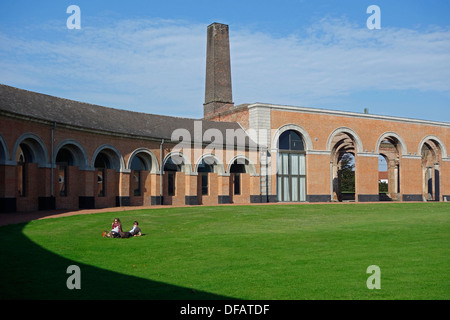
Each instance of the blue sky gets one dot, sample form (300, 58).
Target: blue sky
(149, 56)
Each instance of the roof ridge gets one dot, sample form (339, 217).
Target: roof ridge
(106, 107)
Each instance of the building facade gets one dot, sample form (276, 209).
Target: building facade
(62, 154)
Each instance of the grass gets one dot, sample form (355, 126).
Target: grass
(272, 252)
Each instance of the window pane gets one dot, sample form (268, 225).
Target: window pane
(286, 189)
(294, 164)
(283, 142)
(302, 189)
(302, 164)
(285, 157)
(290, 140)
(279, 188)
(296, 141)
(294, 184)
(280, 163)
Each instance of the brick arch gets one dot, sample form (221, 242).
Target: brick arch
(306, 138)
(218, 163)
(432, 174)
(149, 158)
(400, 141)
(114, 155)
(251, 166)
(438, 141)
(185, 159)
(36, 146)
(77, 150)
(358, 142)
(349, 142)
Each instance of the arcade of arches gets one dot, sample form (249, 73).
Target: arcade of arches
(302, 164)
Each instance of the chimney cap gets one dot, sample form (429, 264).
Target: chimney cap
(217, 23)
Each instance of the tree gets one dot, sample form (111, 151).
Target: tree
(383, 187)
(347, 173)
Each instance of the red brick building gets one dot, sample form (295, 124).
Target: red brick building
(63, 154)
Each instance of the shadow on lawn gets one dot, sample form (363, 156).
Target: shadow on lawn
(28, 271)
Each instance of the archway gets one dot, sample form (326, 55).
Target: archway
(141, 163)
(431, 157)
(208, 168)
(28, 149)
(383, 178)
(35, 149)
(68, 153)
(344, 147)
(204, 168)
(174, 164)
(24, 156)
(137, 166)
(389, 150)
(106, 158)
(240, 169)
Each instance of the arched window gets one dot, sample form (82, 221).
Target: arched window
(291, 140)
(291, 167)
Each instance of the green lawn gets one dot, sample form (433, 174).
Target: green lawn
(258, 252)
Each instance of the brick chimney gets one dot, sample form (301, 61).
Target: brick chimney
(218, 94)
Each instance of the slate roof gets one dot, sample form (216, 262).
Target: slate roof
(89, 116)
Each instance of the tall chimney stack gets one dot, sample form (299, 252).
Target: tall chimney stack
(218, 94)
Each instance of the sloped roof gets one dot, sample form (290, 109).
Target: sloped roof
(89, 116)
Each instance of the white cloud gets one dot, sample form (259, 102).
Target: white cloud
(158, 66)
(336, 58)
(151, 65)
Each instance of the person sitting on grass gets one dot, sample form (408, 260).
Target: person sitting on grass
(135, 231)
(116, 228)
